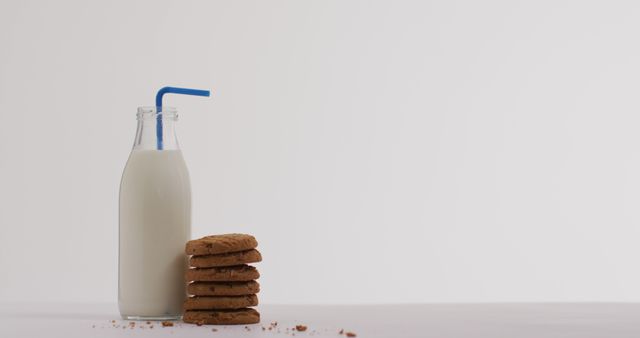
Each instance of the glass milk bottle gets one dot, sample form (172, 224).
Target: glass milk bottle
(155, 221)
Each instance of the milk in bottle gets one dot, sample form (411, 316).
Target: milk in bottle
(155, 221)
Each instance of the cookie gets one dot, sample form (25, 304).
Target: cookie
(237, 273)
(220, 302)
(217, 244)
(222, 317)
(226, 259)
(223, 288)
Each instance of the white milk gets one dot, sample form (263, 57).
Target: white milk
(155, 224)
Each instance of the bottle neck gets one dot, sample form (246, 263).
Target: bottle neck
(156, 131)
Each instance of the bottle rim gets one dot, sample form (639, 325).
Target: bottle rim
(151, 112)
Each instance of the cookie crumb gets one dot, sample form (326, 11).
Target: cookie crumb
(264, 329)
(214, 330)
(151, 326)
(167, 324)
(341, 331)
(148, 322)
(301, 328)
(351, 334)
(113, 321)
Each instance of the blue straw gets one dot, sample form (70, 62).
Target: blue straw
(172, 90)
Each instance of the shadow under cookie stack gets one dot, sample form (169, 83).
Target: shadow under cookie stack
(222, 288)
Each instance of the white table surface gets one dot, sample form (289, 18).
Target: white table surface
(421, 320)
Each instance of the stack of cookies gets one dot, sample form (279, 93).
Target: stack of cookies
(221, 286)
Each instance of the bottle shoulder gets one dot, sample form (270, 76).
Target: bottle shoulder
(155, 163)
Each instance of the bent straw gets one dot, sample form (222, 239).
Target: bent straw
(172, 90)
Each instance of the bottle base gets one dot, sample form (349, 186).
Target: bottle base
(143, 318)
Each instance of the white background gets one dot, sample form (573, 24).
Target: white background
(428, 151)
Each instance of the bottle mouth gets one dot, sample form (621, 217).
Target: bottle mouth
(164, 112)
